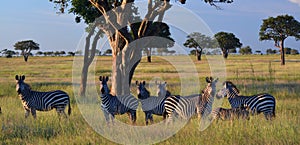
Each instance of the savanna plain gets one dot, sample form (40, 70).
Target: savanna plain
(252, 74)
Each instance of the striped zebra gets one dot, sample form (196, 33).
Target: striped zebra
(230, 113)
(187, 106)
(113, 105)
(152, 104)
(41, 101)
(257, 103)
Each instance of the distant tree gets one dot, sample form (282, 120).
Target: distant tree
(79, 52)
(8, 53)
(62, 53)
(193, 52)
(71, 53)
(39, 53)
(108, 52)
(258, 52)
(26, 47)
(227, 41)
(294, 51)
(232, 51)
(245, 50)
(271, 51)
(57, 53)
(278, 29)
(198, 42)
(287, 50)
(172, 52)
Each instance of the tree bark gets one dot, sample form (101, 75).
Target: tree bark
(198, 54)
(149, 54)
(225, 52)
(88, 59)
(282, 52)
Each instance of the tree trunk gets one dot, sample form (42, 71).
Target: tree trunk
(122, 73)
(87, 60)
(225, 52)
(199, 53)
(282, 53)
(149, 54)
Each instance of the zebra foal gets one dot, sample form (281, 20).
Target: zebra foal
(259, 103)
(114, 105)
(230, 113)
(41, 101)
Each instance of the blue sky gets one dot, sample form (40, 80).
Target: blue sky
(37, 20)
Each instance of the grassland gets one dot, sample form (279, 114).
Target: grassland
(252, 73)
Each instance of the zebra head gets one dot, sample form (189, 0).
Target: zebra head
(229, 90)
(210, 89)
(162, 89)
(21, 87)
(142, 92)
(103, 85)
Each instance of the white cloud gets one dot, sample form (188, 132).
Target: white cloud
(295, 1)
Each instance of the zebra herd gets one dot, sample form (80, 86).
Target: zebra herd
(164, 104)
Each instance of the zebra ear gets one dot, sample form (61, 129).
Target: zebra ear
(17, 77)
(23, 77)
(217, 79)
(207, 80)
(107, 78)
(144, 83)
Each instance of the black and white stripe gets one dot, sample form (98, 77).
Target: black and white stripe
(187, 106)
(115, 105)
(41, 101)
(230, 113)
(260, 103)
(152, 104)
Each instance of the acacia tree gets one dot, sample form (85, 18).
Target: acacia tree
(26, 47)
(227, 41)
(126, 32)
(198, 41)
(278, 29)
(245, 50)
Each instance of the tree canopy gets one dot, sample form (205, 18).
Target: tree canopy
(126, 31)
(227, 41)
(278, 29)
(26, 47)
(245, 50)
(199, 41)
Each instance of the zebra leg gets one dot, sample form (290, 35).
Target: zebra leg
(151, 118)
(61, 111)
(27, 113)
(33, 113)
(146, 118)
(133, 116)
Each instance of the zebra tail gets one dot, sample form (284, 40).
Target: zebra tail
(69, 108)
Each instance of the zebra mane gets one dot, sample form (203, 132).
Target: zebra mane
(233, 86)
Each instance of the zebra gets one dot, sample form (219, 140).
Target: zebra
(231, 113)
(162, 89)
(187, 106)
(41, 101)
(151, 104)
(113, 105)
(257, 103)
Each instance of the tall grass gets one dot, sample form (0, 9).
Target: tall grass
(252, 74)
